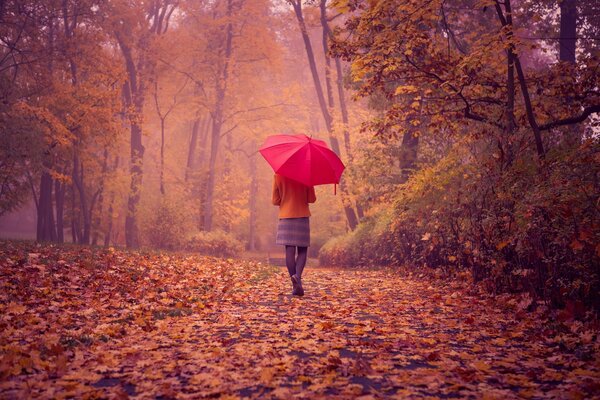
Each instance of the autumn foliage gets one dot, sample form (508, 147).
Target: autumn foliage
(510, 230)
(460, 252)
(105, 323)
(494, 177)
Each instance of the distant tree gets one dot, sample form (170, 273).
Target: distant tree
(135, 27)
(325, 106)
(439, 79)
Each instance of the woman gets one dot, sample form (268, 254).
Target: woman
(293, 229)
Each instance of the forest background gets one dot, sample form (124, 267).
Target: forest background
(469, 130)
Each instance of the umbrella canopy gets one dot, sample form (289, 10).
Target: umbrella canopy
(303, 159)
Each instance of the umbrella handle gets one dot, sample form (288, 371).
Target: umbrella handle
(334, 189)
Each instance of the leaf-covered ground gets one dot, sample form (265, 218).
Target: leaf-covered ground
(84, 323)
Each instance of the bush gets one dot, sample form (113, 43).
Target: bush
(531, 227)
(368, 244)
(216, 243)
(165, 225)
(317, 241)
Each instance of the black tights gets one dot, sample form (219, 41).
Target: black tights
(295, 265)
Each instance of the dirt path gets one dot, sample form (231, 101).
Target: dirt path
(365, 334)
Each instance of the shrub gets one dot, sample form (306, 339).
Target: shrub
(531, 227)
(165, 225)
(216, 243)
(317, 241)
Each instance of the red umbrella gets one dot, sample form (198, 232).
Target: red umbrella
(302, 159)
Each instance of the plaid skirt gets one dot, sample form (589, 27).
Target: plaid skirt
(293, 232)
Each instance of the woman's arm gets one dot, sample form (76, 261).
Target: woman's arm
(276, 197)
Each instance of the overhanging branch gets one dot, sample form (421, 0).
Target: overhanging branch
(572, 120)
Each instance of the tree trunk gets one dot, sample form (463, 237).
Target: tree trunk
(345, 121)
(506, 21)
(59, 193)
(253, 194)
(568, 53)
(74, 217)
(297, 5)
(134, 93)
(210, 183)
(162, 156)
(78, 169)
(204, 136)
(202, 170)
(507, 147)
(220, 91)
(100, 193)
(134, 97)
(109, 224)
(45, 221)
(539, 144)
(343, 107)
(408, 154)
(78, 180)
(45, 215)
(110, 212)
(568, 30)
(189, 167)
(324, 37)
(135, 188)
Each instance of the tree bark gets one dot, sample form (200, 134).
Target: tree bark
(343, 108)
(297, 5)
(78, 181)
(568, 31)
(189, 166)
(45, 222)
(162, 156)
(217, 121)
(324, 37)
(134, 96)
(135, 188)
(568, 54)
(100, 195)
(507, 145)
(408, 154)
(202, 170)
(253, 195)
(345, 118)
(74, 217)
(59, 193)
(110, 211)
(506, 21)
(214, 149)
(45, 215)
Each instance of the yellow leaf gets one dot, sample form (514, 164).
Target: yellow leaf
(405, 89)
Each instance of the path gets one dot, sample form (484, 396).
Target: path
(365, 334)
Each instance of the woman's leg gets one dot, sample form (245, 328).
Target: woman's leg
(290, 259)
(301, 260)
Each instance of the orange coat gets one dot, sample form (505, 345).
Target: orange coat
(292, 197)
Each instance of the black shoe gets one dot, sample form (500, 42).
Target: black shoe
(298, 290)
(294, 286)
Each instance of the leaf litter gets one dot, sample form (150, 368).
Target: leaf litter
(79, 322)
